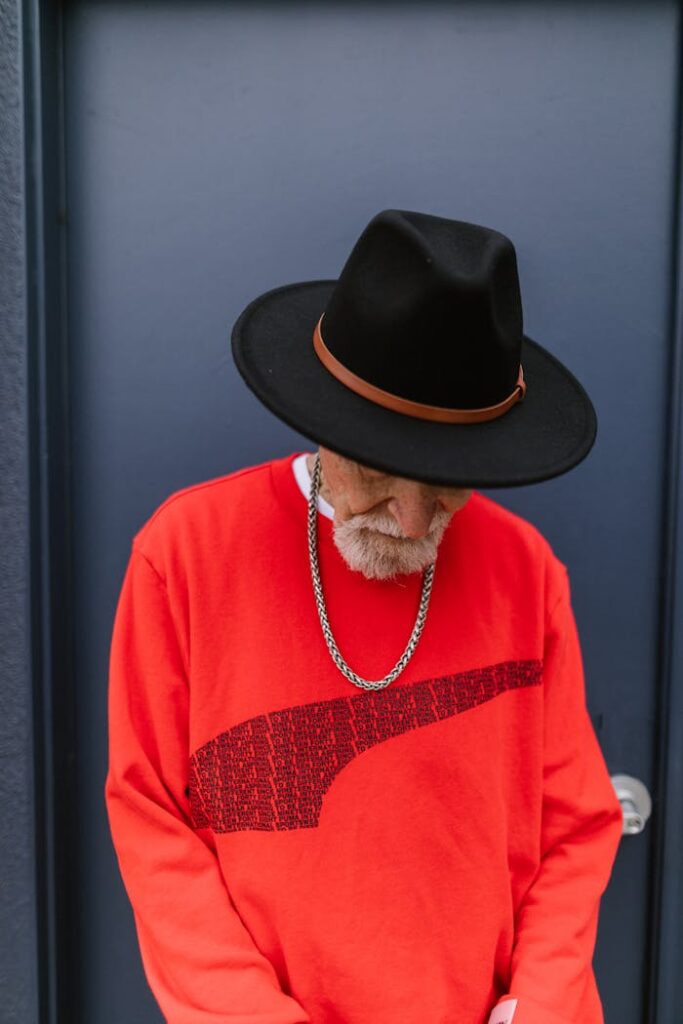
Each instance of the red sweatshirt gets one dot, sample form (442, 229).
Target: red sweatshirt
(296, 849)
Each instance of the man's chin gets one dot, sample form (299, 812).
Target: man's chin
(386, 563)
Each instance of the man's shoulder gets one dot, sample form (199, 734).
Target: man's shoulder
(511, 544)
(199, 510)
(497, 519)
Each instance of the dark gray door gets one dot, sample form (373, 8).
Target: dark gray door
(216, 150)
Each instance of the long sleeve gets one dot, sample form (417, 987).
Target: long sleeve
(552, 979)
(199, 959)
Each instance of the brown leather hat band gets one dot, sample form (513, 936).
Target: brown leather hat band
(404, 405)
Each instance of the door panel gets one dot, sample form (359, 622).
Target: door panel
(217, 150)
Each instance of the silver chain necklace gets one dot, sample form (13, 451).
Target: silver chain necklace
(366, 684)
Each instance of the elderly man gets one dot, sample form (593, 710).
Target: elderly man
(352, 775)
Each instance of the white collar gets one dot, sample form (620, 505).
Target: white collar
(303, 478)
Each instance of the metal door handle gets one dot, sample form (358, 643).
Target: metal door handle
(635, 801)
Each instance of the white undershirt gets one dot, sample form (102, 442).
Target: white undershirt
(303, 478)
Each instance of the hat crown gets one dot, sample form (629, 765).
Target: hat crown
(429, 309)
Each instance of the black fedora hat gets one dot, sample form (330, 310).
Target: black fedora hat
(414, 361)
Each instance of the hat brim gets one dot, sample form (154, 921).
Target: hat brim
(546, 434)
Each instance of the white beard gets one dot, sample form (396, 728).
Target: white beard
(372, 543)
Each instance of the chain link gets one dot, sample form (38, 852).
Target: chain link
(366, 684)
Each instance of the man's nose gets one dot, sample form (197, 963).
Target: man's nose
(414, 511)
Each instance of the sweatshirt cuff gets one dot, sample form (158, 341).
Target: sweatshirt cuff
(511, 1009)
